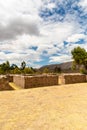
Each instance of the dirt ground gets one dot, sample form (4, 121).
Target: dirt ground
(48, 108)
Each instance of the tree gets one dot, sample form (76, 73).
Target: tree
(57, 69)
(23, 65)
(28, 70)
(17, 71)
(13, 66)
(80, 56)
(46, 70)
(5, 67)
(73, 65)
(85, 62)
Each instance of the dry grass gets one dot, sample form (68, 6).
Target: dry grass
(47, 108)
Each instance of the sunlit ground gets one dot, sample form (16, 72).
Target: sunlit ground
(48, 108)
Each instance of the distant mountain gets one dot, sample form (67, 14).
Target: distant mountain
(65, 67)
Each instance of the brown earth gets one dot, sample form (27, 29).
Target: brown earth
(49, 108)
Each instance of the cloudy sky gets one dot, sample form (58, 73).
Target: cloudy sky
(41, 32)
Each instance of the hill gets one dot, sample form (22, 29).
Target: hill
(65, 67)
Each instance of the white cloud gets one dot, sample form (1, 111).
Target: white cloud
(51, 6)
(14, 8)
(76, 37)
(52, 34)
(60, 58)
(83, 4)
(21, 27)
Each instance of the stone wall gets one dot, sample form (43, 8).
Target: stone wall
(72, 78)
(40, 81)
(35, 81)
(48, 80)
(4, 84)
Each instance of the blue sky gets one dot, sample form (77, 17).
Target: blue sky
(42, 32)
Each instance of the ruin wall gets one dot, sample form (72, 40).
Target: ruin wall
(72, 78)
(4, 84)
(48, 80)
(35, 81)
(40, 81)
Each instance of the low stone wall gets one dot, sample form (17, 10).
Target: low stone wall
(40, 81)
(72, 78)
(48, 80)
(35, 81)
(4, 84)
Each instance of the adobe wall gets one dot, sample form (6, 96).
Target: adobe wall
(19, 80)
(72, 78)
(40, 81)
(4, 84)
(35, 81)
(48, 80)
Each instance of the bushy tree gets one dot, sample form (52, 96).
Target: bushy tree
(5, 67)
(80, 56)
(17, 71)
(28, 70)
(46, 70)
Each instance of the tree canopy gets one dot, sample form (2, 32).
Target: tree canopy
(6, 68)
(80, 56)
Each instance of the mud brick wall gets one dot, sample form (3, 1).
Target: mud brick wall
(19, 80)
(48, 80)
(4, 84)
(40, 81)
(35, 81)
(75, 78)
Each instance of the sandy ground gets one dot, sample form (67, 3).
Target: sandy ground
(47, 108)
